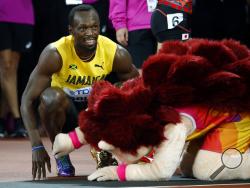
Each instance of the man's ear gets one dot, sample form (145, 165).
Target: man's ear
(105, 146)
(70, 29)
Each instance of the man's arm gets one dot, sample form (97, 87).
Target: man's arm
(49, 63)
(118, 13)
(118, 17)
(123, 66)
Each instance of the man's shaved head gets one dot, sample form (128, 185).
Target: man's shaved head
(79, 8)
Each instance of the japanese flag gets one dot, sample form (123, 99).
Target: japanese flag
(185, 36)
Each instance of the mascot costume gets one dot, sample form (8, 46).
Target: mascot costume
(191, 104)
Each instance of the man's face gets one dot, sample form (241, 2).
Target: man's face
(85, 30)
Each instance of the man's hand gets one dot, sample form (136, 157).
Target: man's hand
(104, 174)
(62, 145)
(122, 36)
(40, 158)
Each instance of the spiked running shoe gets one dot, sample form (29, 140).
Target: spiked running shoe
(65, 167)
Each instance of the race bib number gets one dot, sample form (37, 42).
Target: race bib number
(78, 95)
(174, 20)
(151, 5)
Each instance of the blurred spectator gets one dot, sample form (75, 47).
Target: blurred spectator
(171, 20)
(218, 19)
(16, 28)
(131, 20)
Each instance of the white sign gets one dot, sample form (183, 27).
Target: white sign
(151, 5)
(73, 2)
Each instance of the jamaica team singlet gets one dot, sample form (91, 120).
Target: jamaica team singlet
(76, 77)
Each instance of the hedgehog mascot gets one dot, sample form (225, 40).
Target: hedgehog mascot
(191, 104)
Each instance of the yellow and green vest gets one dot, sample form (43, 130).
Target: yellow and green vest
(76, 77)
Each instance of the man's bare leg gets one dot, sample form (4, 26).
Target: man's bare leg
(52, 110)
(9, 61)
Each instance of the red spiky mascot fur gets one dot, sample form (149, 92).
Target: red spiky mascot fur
(189, 90)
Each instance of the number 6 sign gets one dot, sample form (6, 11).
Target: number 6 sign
(174, 20)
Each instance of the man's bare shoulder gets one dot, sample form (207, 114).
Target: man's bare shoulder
(50, 48)
(50, 60)
(50, 53)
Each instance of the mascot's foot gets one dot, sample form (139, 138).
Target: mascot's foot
(65, 167)
(103, 158)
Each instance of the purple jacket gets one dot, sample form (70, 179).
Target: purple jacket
(17, 11)
(130, 14)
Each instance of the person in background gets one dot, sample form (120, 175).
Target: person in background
(171, 20)
(59, 85)
(16, 29)
(221, 19)
(131, 20)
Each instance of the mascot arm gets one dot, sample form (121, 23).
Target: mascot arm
(66, 143)
(166, 159)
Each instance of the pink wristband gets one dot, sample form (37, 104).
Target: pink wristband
(121, 172)
(74, 138)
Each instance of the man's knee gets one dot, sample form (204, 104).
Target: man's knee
(52, 110)
(52, 99)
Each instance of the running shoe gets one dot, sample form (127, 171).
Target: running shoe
(65, 167)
